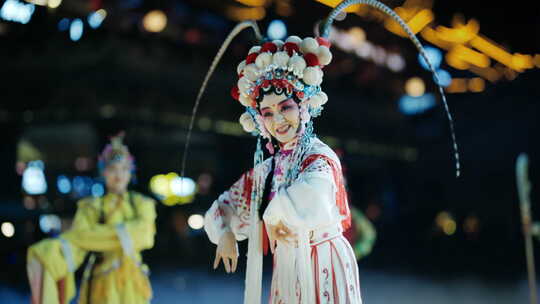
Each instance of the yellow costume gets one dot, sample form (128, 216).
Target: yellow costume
(114, 229)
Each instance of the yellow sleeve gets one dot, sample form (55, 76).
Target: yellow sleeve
(51, 254)
(143, 229)
(88, 234)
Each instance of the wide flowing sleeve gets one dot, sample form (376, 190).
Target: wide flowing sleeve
(132, 235)
(309, 202)
(230, 212)
(142, 229)
(51, 264)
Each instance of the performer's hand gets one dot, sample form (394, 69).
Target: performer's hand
(227, 251)
(279, 232)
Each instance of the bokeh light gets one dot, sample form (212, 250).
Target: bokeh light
(358, 35)
(395, 62)
(415, 87)
(96, 18)
(277, 30)
(477, 84)
(50, 223)
(445, 79)
(63, 24)
(33, 180)
(54, 3)
(63, 184)
(182, 186)
(76, 30)
(446, 223)
(82, 186)
(97, 190)
(471, 225)
(155, 21)
(196, 221)
(415, 105)
(8, 230)
(434, 56)
(16, 11)
(172, 189)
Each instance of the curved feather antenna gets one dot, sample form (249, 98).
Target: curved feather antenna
(385, 9)
(235, 31)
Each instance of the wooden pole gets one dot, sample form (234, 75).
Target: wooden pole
(524, 188)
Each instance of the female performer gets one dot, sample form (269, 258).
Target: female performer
(295, 201)
(109, 231)
(303, 199)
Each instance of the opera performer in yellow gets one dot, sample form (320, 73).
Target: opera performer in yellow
(109, 233)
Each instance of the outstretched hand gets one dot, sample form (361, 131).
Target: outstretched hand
(227, 251)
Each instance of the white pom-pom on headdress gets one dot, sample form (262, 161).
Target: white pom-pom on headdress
(312, 76)
(278, 43)
(241, 67)
(317, 100)
(244, 84)
(247, 122)
(321, 75)
(244, 100)
(251, 72)
(254, 49)
(314, 101)
(280, 59)
(324, 55)
(294, 39)
(297, 64)
(323, 97)
(309, 45)
(263, 60)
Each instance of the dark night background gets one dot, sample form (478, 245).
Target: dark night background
(62, 99)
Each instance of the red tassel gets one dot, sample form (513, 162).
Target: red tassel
(266, 241)
(269, 47)
(341, 195)
(235, 93)
(251, 58)
(290, 48)
(311, 59)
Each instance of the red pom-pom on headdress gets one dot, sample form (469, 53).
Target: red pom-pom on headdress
(235, 93)
(251, 58)
(323, 41)
(269, 47)
(311, 59)
(290, 48)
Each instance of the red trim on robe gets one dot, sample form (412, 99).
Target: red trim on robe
(315, 259)
(265, 239)
(341, 194)
(248, 185)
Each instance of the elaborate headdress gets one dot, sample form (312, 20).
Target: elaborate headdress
(294, 68)
(115, 151)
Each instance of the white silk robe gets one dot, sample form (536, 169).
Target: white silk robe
(320, 263)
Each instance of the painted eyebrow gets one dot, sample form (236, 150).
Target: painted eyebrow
(279, 103)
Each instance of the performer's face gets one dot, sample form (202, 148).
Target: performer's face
(281, 116)
(117, 176)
